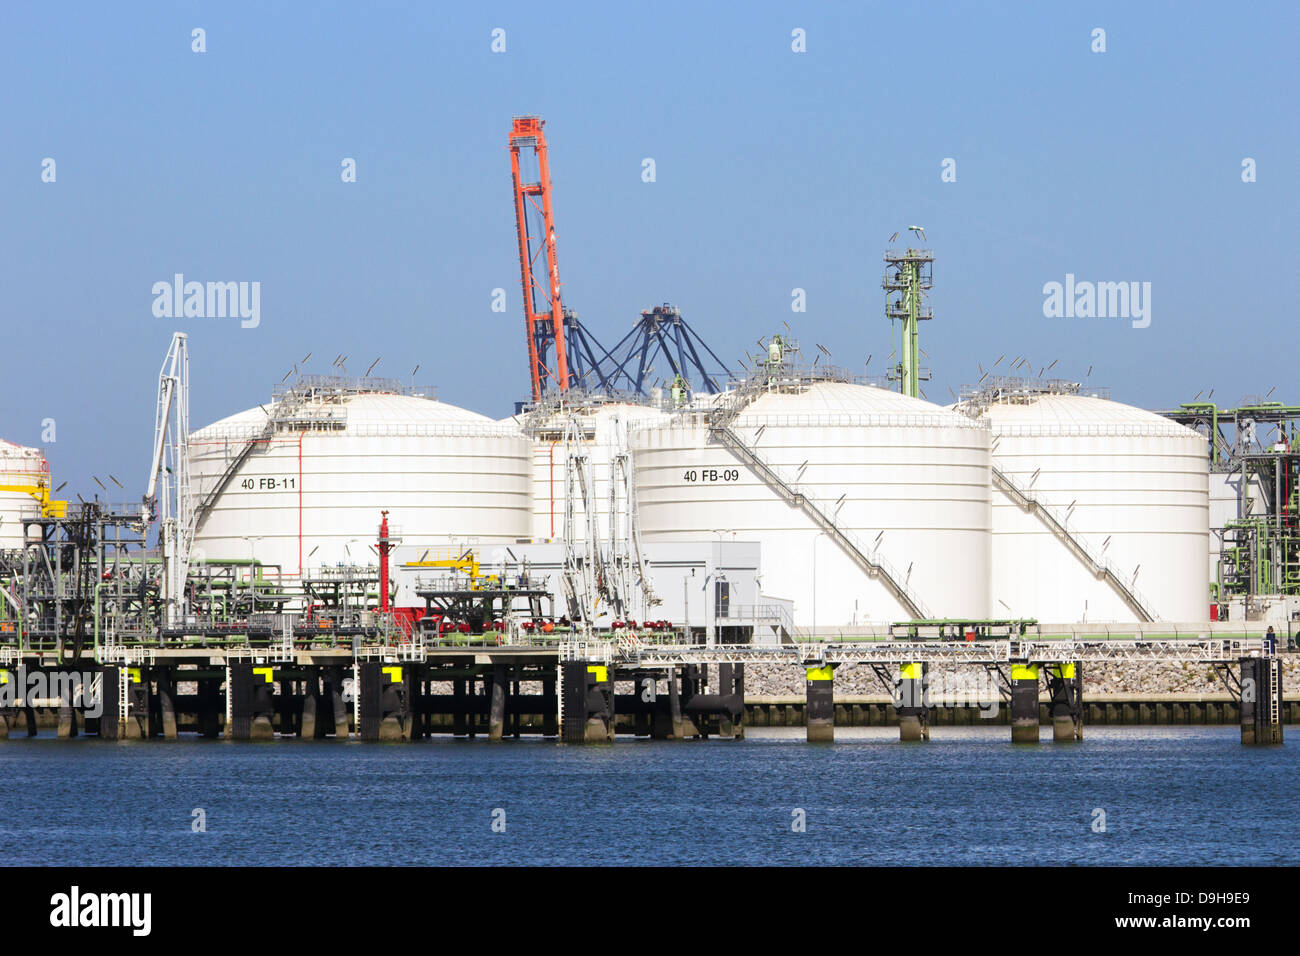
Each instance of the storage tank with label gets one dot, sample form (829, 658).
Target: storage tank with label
(905, 480)
(301, 482)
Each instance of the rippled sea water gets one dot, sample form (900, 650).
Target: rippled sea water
(1171, 795)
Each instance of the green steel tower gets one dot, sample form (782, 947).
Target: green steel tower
(908, 276)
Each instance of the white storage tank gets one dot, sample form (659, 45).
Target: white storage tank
(1130, 485)
(603, 426)
(21, 468)
(310, 491)
(908, 480)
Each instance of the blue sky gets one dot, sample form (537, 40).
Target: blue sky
(775, 170)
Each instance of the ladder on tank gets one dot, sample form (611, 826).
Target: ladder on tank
(873, 564)
(1102, 568)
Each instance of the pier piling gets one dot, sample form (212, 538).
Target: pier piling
(820, 709)
(911, 703)
(1065, 687)
(1261, 700)
(1024, 703)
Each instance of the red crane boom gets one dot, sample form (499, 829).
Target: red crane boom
(545, 324)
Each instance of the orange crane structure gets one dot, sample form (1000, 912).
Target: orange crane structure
(543, 310)
(582, 363)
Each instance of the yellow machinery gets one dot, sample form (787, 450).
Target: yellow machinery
(40, 490)
(457, 561)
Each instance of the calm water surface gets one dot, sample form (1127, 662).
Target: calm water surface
(1172, 795)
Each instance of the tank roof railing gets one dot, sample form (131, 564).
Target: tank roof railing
(1006, 389)
(317, 388)
(542, 414)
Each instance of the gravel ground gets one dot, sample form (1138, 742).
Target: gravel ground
(852, 680)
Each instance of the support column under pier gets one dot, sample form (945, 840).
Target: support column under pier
(109, 724)
(164, 704)
(251, 707)
(309, 726)
(600, 704)
(16, 718)
(69, 719)
(385, 702)
(731, 686)
(586, 703)
(819, 713)
(340, 709)
(550, 719)
(1261, 700)
(1024, 703)
(1065, 687)
(135, 720)
(910, 702)
(209, 706)
(500, 692)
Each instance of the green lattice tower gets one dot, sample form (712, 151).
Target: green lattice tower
(908, 277)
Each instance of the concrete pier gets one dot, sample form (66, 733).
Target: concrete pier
(666, 692)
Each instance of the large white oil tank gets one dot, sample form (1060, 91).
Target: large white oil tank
(310, 490)
(602, 429)
(22, 471)
(1130, 485)
(908, 480)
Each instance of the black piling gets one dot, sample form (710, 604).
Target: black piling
(251, 689)
(69, 718)
(910, 701)
(587, 702)
(819, 713)
(1065, 687)
(500, 692)
(384, 702)
(109, 725)
(1261, 701)
(1024, 703)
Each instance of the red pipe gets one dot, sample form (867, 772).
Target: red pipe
(383, 562)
